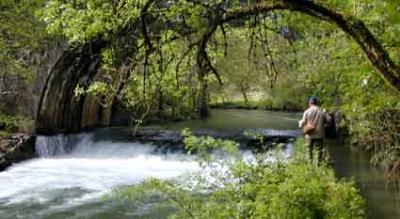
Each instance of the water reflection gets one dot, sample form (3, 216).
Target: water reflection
(229, 119)
(353, 163)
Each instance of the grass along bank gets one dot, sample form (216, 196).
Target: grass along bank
(259, 104)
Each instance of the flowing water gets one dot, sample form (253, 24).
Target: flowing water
(73, 173)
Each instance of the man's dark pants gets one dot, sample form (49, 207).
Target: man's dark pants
(317, 144)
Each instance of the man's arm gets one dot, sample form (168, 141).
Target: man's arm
(303, 121)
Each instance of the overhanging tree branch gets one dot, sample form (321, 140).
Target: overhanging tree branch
(378, 57)
(203, 60)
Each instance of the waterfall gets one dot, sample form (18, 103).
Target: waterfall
(74, 172)
(83, 145)
(49, 146)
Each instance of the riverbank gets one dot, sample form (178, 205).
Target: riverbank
(353, 162)
(15, 148)
(257, 105)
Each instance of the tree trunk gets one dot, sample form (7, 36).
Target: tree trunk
(204, 67)
(203, 100)
(160, 102)
(243, 91)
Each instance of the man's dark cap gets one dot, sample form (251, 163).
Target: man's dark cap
(313, 100)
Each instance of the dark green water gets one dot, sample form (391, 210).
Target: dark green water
(231, 119)
(380, 195)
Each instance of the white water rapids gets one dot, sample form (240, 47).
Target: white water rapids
(73, 173)
(74, 170)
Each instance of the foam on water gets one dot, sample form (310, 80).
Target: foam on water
(71, 170)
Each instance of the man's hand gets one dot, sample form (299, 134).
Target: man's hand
(301, 123)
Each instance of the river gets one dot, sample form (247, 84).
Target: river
(73, 173)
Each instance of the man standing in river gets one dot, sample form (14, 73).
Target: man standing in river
(316, 118)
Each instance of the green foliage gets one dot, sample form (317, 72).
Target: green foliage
(273, 60)
(166, 85)
(17, 123)
(345, 81)
(258, 76)
(23, 44)
(321, 60)
(21, 37)
(202, 146)
(262, 188)
(83, 20)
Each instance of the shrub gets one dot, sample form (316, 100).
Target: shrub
(261, 188)
(15, 123)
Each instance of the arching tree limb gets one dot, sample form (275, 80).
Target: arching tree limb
(203, 60)
(350, 25)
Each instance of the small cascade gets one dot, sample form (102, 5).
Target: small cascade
(56, 145)
(77, 172)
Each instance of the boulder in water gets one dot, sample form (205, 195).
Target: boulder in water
(18, 147)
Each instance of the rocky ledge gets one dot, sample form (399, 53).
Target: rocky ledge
(16, 148)
(173, 139)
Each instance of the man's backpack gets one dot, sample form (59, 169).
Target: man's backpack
(330, 128)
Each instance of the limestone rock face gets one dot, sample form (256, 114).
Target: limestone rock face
(59, 109)
(18, 147)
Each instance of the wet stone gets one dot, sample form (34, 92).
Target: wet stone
(16, 148)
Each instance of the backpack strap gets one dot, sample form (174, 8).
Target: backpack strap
(315, 116)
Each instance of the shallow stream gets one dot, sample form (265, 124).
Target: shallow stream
(73, 173)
